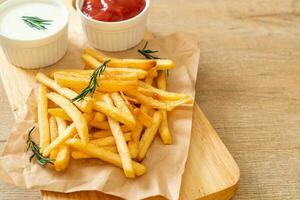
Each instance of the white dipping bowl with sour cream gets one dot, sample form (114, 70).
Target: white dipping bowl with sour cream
(27, 40)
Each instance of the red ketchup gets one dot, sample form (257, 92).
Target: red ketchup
(112, 10)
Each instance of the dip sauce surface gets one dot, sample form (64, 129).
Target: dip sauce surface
(112, 10)
(12, 25)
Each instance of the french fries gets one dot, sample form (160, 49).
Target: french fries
(115, 62)
(59, 113)
(112, 111)
(84, 105)
(163, 130)
(120, 139)
(149, 135)
(109, 140)
(73, 113)
(103, 154)
(53, 135)
(43, 117)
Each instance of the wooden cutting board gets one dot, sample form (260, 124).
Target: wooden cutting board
(211, 172)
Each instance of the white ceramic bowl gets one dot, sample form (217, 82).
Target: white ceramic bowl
(114, 36)
(36, 53)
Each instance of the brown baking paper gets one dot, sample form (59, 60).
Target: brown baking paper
(165, 163)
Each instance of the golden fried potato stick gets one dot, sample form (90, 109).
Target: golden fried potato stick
(149, 101)
(140, 73)
(133, 144)
(116, 62)
(43, 121)
(60, 113)
(164, 64)
(77, 83)
(53, 135)
(61, 125)
(143, 117)
(105, 155)
(99, 117)
(149, 135)
(63, 156)
(164, 130)
(100, 134)
(109, 140)
(68, 133)
(76, 116)
(81, 155)
(85, 105)
(120, 141)
(152, 72)
(160, 93)
(114, 113)
(121, 105)
(162, 80)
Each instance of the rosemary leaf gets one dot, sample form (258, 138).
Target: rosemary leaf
(36, 151)
(91, 88)
(36, 22)
(147, 53)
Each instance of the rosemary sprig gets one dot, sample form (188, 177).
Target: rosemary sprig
(36, 151)
(93, 82)
(36, 22)
(147, 53)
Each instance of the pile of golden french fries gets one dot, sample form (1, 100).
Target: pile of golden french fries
(117, 123)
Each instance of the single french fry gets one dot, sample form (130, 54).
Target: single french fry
(76, 116)
(109, 140)
(149, 80)
(62, 159)
(81, 155)
(85, 105)
(152, 72)
(162, 80)
(120, 140)
(76, 82)
(116, 62)
(61, 125)
(149, 135)
(164, 130)
(160, 93)
(149, 101)
(99, 117)
(100, 125)
(133, 144)
(164, 64)
(143, 117)
(100, 134)
(105, 155)
(114, 113)
(43, 121)
(140, 73)
(60, 113)
(121, 105)
(53, 135)
(68, 133)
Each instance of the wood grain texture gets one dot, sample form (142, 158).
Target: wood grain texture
(247, 85)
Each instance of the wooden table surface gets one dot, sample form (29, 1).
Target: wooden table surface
(248, 87)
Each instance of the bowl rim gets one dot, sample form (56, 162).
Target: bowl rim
(143, 12)
(44, 38)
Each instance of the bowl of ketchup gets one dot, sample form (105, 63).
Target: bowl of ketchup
(113, 25)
